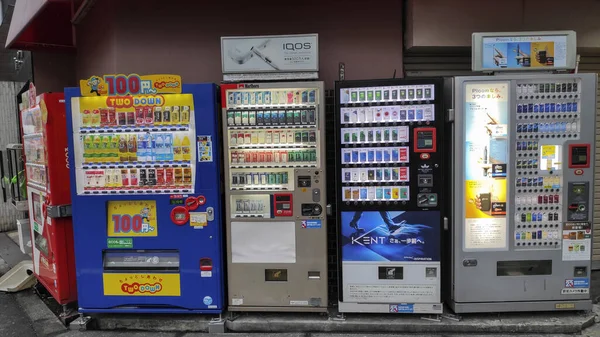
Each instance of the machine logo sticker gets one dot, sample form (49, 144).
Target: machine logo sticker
(207, 300)
(311, 224)
(577, 283)
(135, 287)
(116, 284)
(401, 308)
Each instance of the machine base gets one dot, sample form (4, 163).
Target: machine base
(277, 309)
(395, 308)
(148, 311)
(575, 305)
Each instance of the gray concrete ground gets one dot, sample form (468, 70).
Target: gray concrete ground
(24, 314)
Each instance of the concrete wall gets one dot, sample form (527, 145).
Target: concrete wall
(442, 23)
(156, 36)
(95, 38)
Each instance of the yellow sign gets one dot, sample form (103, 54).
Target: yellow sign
(132, 218)
(548, 151)
(133, 84)
(141, 284)
(198, 219)
(564, 306)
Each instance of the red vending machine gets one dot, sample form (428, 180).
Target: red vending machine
(48, 192)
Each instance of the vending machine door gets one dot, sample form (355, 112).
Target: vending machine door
(147, 201)
(390, 171)
(274, 144)
(523, 192)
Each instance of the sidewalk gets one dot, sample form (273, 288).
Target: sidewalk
(24, 314)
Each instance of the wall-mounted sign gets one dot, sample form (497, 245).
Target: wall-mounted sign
(269, 54)
(133, 84)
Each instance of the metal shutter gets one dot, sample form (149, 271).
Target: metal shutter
(9, 130)
(438, 62)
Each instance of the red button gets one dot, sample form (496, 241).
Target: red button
(180, 215)
(201, 200)
(425, 156)
(191, 203)
(578, 172)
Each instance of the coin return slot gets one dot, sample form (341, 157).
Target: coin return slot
(314, 275)
(304, 181)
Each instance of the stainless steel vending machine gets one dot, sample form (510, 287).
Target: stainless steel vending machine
(274, 144)
(390, 178)
(523, 177)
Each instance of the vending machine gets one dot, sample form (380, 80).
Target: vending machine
(523, 154)
(145, 172)
(274, 145)
(390, 182)
(47, 168)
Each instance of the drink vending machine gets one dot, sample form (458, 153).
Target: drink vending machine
(274, 144)
(47, 169)
(146, 194)
(523, 181)
(390, 178)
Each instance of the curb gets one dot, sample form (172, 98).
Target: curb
(43, 320)
(524, 323)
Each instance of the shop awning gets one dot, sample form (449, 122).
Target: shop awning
(41, 24)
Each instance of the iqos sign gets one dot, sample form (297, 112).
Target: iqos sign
(270, 54)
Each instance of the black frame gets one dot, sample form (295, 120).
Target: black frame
(439, 157)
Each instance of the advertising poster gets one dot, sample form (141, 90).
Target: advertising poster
(524, 52)
(486, 158)
(132, 84)
(132, 218)
(391, 256)
(390, 236)
(577, 241)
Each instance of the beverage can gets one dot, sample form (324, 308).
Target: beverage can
(130, 118)
(133, 177)
(169, 176)
(121, 118)
(148, 116)
(143, 177)
(175, 115)
(166, 116)
(187, 176)
(95, 120)
(151, 181)
(178, 173)
(160, 176)
(86, 118)
(125, 177)
(112, 116)
(139, 116)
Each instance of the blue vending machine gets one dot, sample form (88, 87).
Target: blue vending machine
(145, 172)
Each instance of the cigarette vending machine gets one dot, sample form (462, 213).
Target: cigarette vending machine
(390, 182)
(47, 168)
(523, 179)
(274, 144)
(146, 194)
